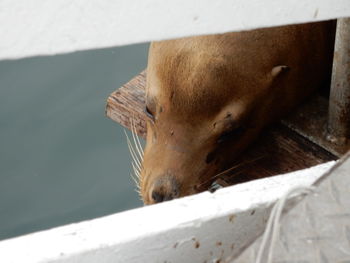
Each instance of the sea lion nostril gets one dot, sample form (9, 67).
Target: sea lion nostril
(157, 197)
(165, 188)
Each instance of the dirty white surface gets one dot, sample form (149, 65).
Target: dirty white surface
(318, 228)
(41, 27)
(201, 228)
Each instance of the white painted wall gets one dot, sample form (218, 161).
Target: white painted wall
(41, 27)
(199, 228)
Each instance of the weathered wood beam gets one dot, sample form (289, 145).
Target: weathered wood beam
(127, 104)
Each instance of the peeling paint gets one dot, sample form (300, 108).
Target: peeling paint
(231, 218)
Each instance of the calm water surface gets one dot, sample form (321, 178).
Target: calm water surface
(61, 159)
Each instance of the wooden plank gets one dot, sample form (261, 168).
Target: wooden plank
(310, 120)
(283, 151)
(278, 149)
(129, 102)
(41, 27)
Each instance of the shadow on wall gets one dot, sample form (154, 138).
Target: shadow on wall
(61, 159)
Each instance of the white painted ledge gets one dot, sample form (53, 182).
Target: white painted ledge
(41, 27)
(204, 227)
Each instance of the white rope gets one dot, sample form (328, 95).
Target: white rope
(273, 223)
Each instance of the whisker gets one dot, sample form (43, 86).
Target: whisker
(134, 179)
(132, 152)
(129, 144)
(136, 166)
(136, 171)
(133, 155)
(135, 131)
(136, 141)
(232, 169)
(138, 190)
(237, 166)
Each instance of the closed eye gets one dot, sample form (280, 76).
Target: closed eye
(231, 134)
(149, 113)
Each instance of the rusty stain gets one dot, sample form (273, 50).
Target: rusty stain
(252, 212)
(232, 246)
(197, 244)
(231, 218)
(219, 243)
(175, 245)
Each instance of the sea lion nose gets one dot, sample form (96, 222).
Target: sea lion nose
(159, 197)
(164, 189)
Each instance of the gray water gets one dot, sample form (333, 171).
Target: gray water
(61, 159)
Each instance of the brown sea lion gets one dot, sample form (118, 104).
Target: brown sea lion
(208, 97)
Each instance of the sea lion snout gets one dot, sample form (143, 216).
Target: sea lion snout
(164, 188)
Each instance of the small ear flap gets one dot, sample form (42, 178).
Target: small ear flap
(276, 71)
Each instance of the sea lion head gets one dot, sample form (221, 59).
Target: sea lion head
(208, 97)
(199, 117)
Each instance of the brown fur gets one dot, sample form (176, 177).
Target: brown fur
(201, 88)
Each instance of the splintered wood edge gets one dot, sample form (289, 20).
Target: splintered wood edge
(126, 105)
